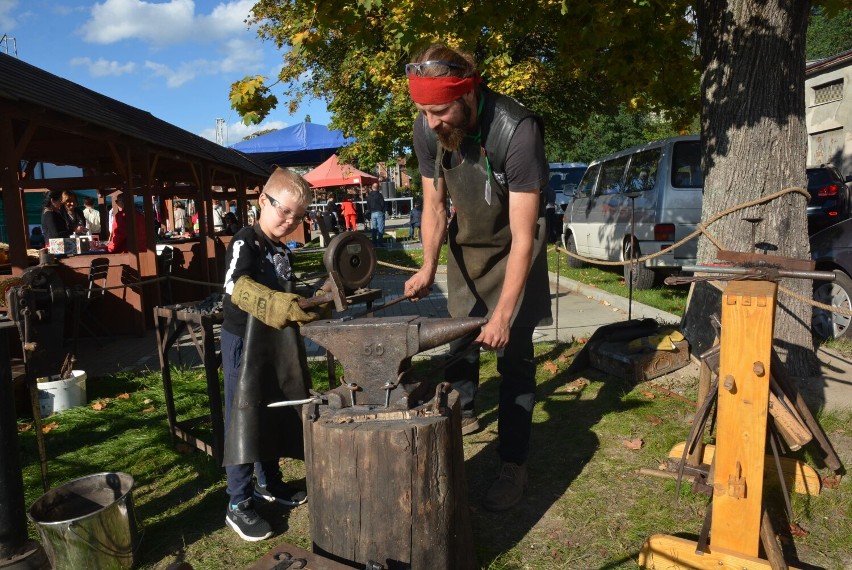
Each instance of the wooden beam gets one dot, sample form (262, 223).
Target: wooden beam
(664, 552)
(13, 203)
(748, 319)
(71, 183)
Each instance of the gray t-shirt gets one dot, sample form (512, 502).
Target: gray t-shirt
(526, 165)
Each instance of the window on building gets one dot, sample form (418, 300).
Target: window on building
(828, 92)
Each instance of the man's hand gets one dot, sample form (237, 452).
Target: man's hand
(419, 285)
(494, 335)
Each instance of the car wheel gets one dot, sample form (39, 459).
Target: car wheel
(837, 293)
(643, 278)
(572, 247)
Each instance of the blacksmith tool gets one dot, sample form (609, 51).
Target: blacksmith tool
(350, 261)
(374, 350)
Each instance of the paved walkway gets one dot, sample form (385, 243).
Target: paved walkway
(578, 311)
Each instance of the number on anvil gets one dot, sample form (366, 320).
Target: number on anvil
(373, 350)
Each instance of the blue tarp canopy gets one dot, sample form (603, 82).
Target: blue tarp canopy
(300, 144)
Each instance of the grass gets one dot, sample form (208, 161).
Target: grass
(586, 507)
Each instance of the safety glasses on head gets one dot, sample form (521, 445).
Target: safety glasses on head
(439, 68)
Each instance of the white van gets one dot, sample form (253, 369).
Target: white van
(665, 179)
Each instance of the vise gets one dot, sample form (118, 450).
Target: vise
(374, 351)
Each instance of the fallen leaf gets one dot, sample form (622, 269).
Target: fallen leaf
(606, 303)
(649, 395)
(797, 531)
(98, 406)
(550, 367)
(49, 427)
(831, 482)
(633, 443)
(25, 427)
(576, 386)
(654, 420)
(148, 410)
(124, 396)
(147, 401)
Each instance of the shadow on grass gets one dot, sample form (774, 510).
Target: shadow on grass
(560, 448)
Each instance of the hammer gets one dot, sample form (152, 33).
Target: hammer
(334, 292)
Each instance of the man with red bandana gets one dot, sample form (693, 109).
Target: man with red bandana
(489, 158)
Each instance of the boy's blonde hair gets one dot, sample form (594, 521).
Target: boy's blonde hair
(286, 180)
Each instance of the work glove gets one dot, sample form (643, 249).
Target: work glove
(274, 308)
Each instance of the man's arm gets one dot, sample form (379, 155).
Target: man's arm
(523, 216)
(433, 228)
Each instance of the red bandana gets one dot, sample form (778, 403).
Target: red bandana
(440, 90)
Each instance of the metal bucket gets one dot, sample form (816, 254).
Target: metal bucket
(88, 522)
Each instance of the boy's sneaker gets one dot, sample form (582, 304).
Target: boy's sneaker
(280, 493)
(246, 522)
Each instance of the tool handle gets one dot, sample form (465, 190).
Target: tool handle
(311, 302)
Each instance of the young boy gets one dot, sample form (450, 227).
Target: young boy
(263, 356)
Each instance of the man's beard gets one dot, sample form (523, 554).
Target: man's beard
(453, 139)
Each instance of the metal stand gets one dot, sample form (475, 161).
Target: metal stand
(632, 196)
(206, 347)
(15, 550)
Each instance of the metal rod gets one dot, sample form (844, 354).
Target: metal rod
(731, 270)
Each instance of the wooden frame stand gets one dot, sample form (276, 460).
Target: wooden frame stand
(748, 315)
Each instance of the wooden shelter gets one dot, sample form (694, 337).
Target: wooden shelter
(48, 119)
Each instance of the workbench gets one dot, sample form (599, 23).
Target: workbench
(170, 323)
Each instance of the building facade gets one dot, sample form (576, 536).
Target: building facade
(828, 111)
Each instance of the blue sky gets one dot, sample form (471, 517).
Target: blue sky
(173, 58)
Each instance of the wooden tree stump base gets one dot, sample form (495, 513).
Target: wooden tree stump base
(388, 486)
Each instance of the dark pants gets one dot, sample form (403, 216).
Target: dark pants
(517, 389)
(239, 476)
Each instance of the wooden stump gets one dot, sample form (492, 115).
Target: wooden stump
(388, 486)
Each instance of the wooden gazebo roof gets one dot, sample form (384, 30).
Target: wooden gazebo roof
(45, 118)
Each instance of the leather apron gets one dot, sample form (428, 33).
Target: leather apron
(274, 368)
(479, 243)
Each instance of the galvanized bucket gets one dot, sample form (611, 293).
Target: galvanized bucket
(88, 522)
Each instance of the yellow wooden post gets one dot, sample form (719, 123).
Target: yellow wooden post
(748, 317)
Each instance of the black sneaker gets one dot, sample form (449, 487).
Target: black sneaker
(246, 522)
(280, 493)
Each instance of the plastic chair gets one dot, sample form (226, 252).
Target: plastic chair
(95, 292)
(165, 262)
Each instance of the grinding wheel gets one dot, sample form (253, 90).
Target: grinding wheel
(352, 256)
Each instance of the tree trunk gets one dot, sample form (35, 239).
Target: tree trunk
(755, 143)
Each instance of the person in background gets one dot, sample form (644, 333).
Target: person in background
(73, 217)
(118, 235)
(92, 215)
(36, 238)
(180, 218)
(263, 356)
(376, 205)
(218, 218)
(349, 214)
(232, 226)
(415, 218)
(52, 221)
(497, 264)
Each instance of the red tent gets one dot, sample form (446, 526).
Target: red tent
(332, 173)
